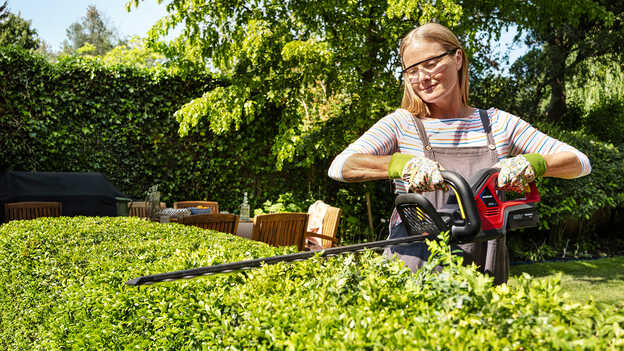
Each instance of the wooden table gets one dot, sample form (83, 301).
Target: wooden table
(244, 226)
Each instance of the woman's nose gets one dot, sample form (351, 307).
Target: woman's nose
(423, 75)
(420, 77)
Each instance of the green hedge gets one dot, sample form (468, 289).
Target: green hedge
(583, 198)
(62, 287)
(80, 115)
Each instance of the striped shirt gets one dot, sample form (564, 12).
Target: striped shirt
(397, 132)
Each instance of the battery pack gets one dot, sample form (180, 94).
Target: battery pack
(518, 218)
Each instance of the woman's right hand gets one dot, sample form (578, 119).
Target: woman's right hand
(421, 173)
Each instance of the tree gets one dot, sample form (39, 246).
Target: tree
(4, 12)
(563, 35)
(326, 69)
(93, 30)
(133, 53)
(14, 30)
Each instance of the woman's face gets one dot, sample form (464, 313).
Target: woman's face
(435, 81)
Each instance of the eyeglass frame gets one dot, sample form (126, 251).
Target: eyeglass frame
(447, 52)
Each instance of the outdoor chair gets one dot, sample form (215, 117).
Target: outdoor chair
(329, 229)
(212, 205)
(139, 208)
(32, 210)
(281, 229)
(225, 223)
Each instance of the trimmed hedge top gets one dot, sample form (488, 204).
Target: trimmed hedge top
(62, 286)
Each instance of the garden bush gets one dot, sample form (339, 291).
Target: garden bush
(607, 112)
(578, 217)
(582, 198)
(62, 287)
(82, 115)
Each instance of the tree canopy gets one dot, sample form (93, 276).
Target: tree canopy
(135, 53)
(92, 30)
(563, 35)
(328, 69)
(313, 64)
(14, 30)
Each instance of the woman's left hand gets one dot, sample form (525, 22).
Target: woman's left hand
(516, 173)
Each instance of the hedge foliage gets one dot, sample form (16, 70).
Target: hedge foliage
(82, 115)
(586, 197)
(62, 287)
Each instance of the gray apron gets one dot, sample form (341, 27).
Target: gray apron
(491, 257)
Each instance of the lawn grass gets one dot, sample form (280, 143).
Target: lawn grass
(601, 280)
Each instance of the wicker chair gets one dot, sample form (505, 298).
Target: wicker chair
(139, 208)
(212, 205)
(32, 210)
(225, 223)
(281, 229)
(329, 229)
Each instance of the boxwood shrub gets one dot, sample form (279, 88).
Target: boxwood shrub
(62, 287)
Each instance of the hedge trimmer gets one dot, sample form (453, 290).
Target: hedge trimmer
(474, 212)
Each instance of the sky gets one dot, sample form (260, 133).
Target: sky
(52, 17)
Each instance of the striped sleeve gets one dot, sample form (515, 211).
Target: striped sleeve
(523, 138)
(380, 139)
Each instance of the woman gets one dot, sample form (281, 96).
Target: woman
(435, 129)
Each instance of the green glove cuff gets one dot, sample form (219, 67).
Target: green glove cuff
(537, 162)
(397, 163)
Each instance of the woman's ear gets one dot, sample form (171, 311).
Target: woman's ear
(459, 59)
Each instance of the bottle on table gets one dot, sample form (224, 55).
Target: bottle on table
(244, 209)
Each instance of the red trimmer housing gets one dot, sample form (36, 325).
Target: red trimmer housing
(475, 211)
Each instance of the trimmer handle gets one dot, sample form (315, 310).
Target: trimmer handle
(487, 178)
(467, 206)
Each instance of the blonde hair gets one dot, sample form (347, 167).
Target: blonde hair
(439, 34)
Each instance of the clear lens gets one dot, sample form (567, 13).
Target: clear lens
(429, 66)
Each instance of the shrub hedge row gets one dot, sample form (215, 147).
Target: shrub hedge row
(62, 287)
(80, 115)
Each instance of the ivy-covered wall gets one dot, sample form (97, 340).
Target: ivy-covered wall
(79, 115)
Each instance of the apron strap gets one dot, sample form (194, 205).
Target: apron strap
(485, 120)
(427, 149)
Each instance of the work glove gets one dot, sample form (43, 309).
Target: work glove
(421, 173)
(516, 173)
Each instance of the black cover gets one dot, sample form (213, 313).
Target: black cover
(86, 194)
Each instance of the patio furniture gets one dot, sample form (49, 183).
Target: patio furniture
(329, 229)
(139, 208)
(225, 223)
(281, 229)
(31, 210)
(81, 193)
(213, 205)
